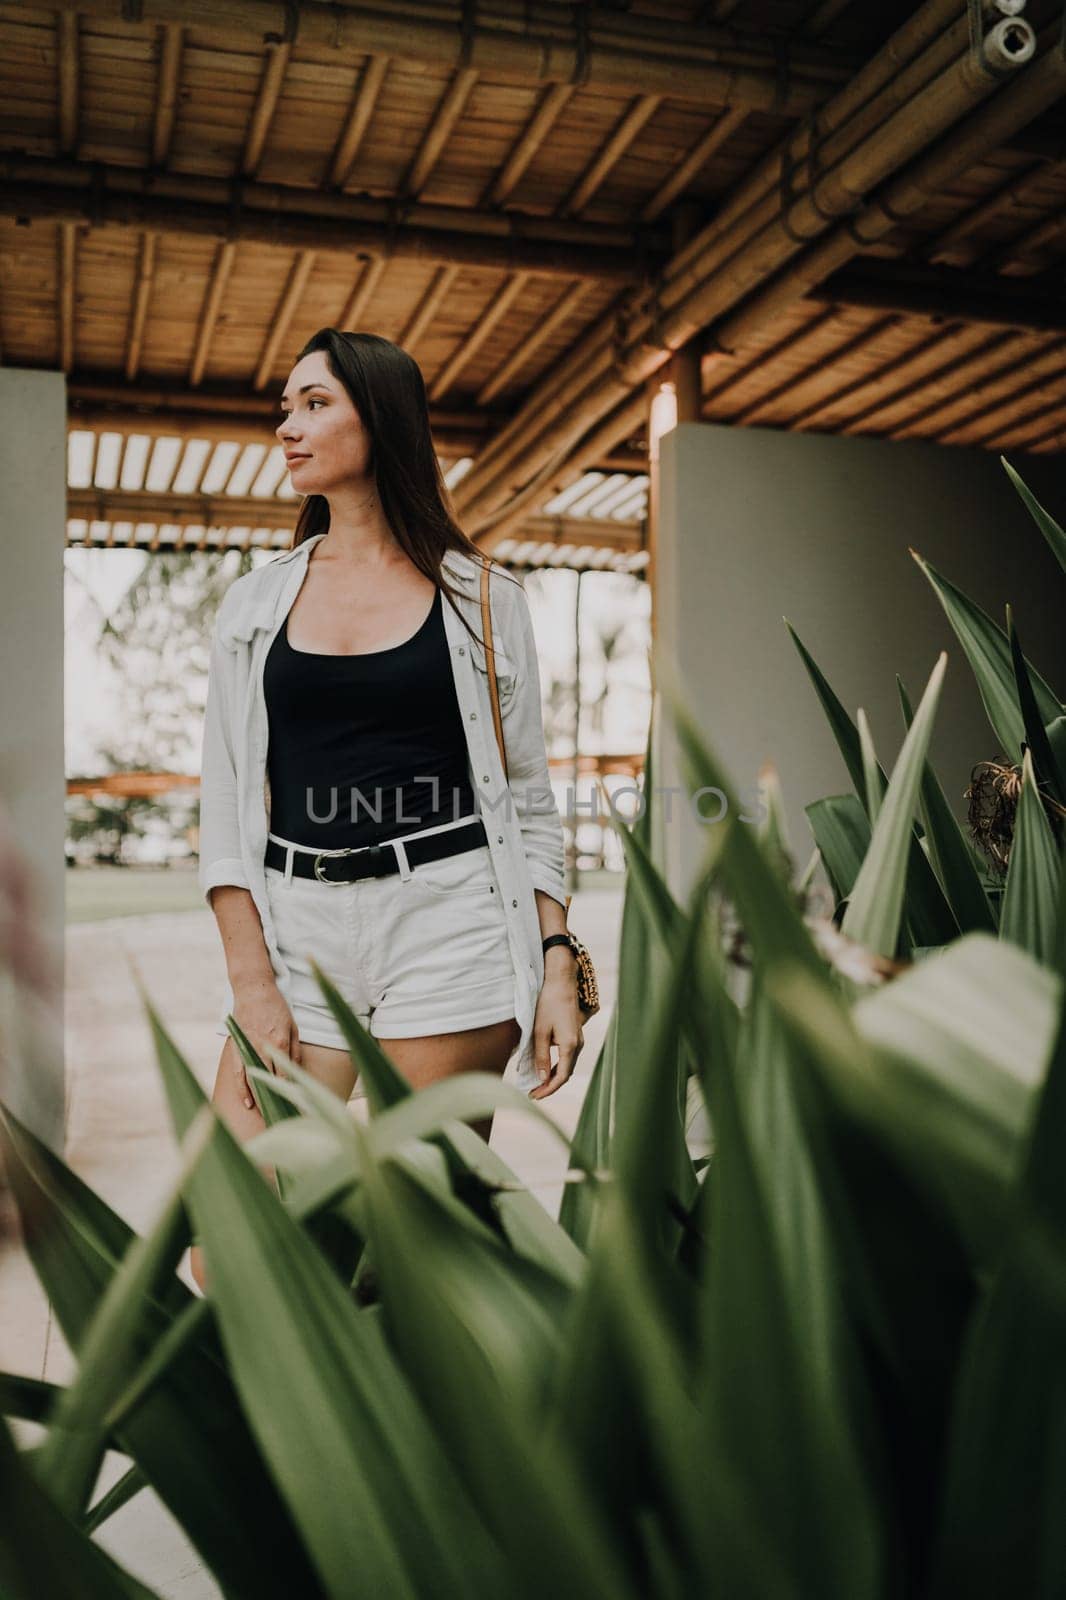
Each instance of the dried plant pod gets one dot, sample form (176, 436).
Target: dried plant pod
(993, 795)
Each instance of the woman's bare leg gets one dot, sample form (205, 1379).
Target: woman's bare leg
(331, 1067)
(422, 1061)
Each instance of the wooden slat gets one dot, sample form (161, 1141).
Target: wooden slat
(356, 309)
(191, 206)
(220, 273)
(520, 357)
(139, 308)
(167, 93)
(446, 116)
(428, 307)
(67, 266)
(693, 164)
(468, 347)
(347, 150)
(639, 113)
(67, 47)
(556, 96)
(274, 64)
(279, 324)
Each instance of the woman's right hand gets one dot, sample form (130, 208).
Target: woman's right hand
(262, 1012)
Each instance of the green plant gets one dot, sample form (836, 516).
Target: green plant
(826, 1363)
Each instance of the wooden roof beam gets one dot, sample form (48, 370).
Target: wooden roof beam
(602, 47)
(216, 288)
(447, 114)
(553, 101)
(639, 113)
(365, 99)
(527, 347)
(139, 310)
(469, 346)
(940, 293)
(67, 43)
(253, 511)
(299, 273)
(266, 103)
(278, 214)
(166, 98)
(105, 401)
(428, 307)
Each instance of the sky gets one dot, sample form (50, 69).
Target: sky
(95, 581)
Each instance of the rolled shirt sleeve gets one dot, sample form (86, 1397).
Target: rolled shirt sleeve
(220, 834)
(527, 762)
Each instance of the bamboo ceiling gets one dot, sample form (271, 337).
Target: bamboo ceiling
(810, 214)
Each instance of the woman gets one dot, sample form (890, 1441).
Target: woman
(354, 807)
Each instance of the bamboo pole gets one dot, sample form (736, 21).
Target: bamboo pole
(428, 307)
(713, 393)
(365, 99)
(848, 347)
(964, 361)
(951, 245)
(925, 37)
(369, 278)
(469, 346)
(602, 48)
(1036, 383)
(563, 309)
(1021, 99)
(915, 53)
(139, 309)
(166, 101)
(639, 113)
(990, 371)
(266, 101)
(299, 273)
(751, 204)
(555, 98)
(338, 224)
(220, 273)
(717, 134)
(983, 367)
(68, 61)
(611, 432)
(447, 114)
(67, 266)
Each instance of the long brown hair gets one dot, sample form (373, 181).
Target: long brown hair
(388, 392)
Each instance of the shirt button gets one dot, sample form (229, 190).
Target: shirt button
(514, 902)
(485, 778)
(462, 651)
(499, 838)
(473, 716)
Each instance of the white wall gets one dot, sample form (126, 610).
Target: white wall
(758, 524)
(32, 777)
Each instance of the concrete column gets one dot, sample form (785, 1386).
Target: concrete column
(32, 774)
(757, 524)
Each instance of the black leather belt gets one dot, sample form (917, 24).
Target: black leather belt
(376, 860)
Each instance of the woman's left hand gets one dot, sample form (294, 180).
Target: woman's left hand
(557, 1022)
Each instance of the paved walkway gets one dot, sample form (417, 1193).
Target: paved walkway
(119, 1140)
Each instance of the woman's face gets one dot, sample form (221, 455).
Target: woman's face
(322, 433)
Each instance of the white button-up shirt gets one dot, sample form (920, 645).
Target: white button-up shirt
(522, 822)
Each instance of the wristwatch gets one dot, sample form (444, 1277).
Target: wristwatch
(559, 938)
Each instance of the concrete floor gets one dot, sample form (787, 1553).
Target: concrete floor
(120, 1142)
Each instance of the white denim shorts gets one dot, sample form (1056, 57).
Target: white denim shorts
(421, 951)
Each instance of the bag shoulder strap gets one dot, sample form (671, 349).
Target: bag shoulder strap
(490, 658)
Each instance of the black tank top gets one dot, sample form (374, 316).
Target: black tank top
(356, 742)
